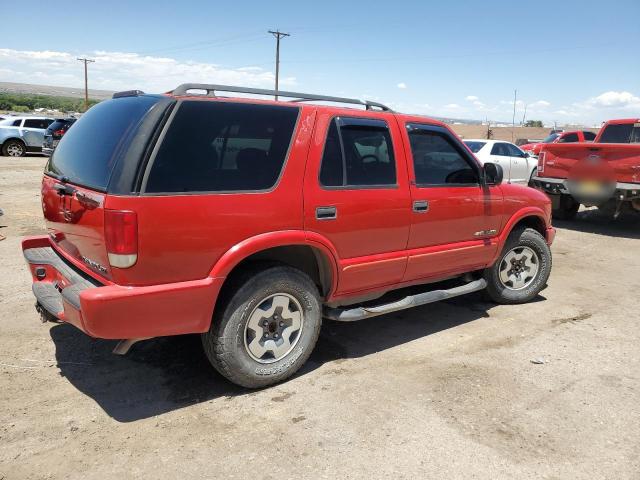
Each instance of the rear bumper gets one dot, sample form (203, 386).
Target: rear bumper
(116, 311)
(623, 191)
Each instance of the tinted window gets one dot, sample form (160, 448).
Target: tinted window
(569, 138)
(475, 147)
(589, 136)
(358, 152)
(500, 149)
(513, 150)
(550, 138)
(219, 146)
(36, 123)
(16, 123)
(88, 152)
(617, 133)
(60, 125)
(437, 160)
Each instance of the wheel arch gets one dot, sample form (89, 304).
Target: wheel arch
(530, 217)
(310, 253)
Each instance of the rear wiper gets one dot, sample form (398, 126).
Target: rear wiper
(64, 189)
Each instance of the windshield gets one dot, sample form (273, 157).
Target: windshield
(475, 147)
(550, 138)
(88, 152)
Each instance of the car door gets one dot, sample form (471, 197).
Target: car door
(357, 197)
(32, 131)
(520, 171)
(455, 217)
(500, 155)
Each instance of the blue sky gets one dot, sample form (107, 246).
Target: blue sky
(570, 61)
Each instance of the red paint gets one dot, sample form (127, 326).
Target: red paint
(535, 148)
(188, 244)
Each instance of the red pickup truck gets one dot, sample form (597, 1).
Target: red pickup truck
(605, 173)
(559, 137)
(249, 221)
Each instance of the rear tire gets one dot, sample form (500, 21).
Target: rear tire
(522, 270)
(267, 328)
(567, 208)
(13, 148)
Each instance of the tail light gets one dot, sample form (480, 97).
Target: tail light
(541, 160)
(59, 133)
(121, 237)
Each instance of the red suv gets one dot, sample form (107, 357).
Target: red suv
(248, 221)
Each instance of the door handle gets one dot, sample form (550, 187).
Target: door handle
(420, 206)
(326, 213)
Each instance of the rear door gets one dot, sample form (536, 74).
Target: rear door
(78, 173)
(501, 155)
(454, 217)
(520, 171)
(356, 195)
(33, 131)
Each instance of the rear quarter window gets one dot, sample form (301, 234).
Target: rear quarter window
(88, 152)
(222, 147)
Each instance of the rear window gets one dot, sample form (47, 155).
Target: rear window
(621, 133)
(87, 154)
(59, 125)
(475, 147)
(222, 147)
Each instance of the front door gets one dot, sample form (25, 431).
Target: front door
(455, 217)
(357, 196)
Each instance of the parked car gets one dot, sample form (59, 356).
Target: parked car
(605, 173)
(248, 221)
(563, 137)
(54, 133)
(19, 135)
(518, 165)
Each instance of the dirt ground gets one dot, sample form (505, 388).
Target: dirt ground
(446, 391)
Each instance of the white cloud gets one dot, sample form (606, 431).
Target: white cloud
(471, 98)
(540, 104)
(124, 71)
(402, 86)
(452, 106)
(613, 99)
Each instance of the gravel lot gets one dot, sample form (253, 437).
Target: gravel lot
(445, 391)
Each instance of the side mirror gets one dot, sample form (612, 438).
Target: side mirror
(493, 173)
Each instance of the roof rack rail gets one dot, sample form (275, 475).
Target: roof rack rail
(298, 97)
(128, 93)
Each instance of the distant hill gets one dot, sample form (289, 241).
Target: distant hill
(69, 92)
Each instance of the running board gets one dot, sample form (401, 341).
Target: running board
(360, 313)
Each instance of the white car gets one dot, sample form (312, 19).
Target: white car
(518, 165)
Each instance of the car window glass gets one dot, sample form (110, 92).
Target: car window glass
(569, 138)
(36, 123)
(223, 146)
(438, 161)
(17, 123)
(589, 136)
(635, 134)
(499, 149)
(358, 152)
(475, 147)
(513, 150)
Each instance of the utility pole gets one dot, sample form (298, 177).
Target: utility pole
(86, 83)
(513, 120)
(525, 114)
(278, 34)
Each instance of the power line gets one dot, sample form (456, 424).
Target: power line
(86, 82)
(278, 34)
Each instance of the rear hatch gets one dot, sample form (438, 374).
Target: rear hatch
(606, 162)
(99, 156)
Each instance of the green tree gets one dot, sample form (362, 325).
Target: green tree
(534, 123)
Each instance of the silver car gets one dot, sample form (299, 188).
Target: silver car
(19, 135)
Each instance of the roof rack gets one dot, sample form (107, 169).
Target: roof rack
(297, 97)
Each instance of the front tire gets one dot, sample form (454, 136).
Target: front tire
(522, 270)
(13, 148)
(267, 329)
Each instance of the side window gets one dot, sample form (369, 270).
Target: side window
(569, 138)
(16, 123)
(635, 134)
(358, 152)
(589, 136)
(500, 149)
(223, 146)
(513, 150)
(36, 123)
(438, 160)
